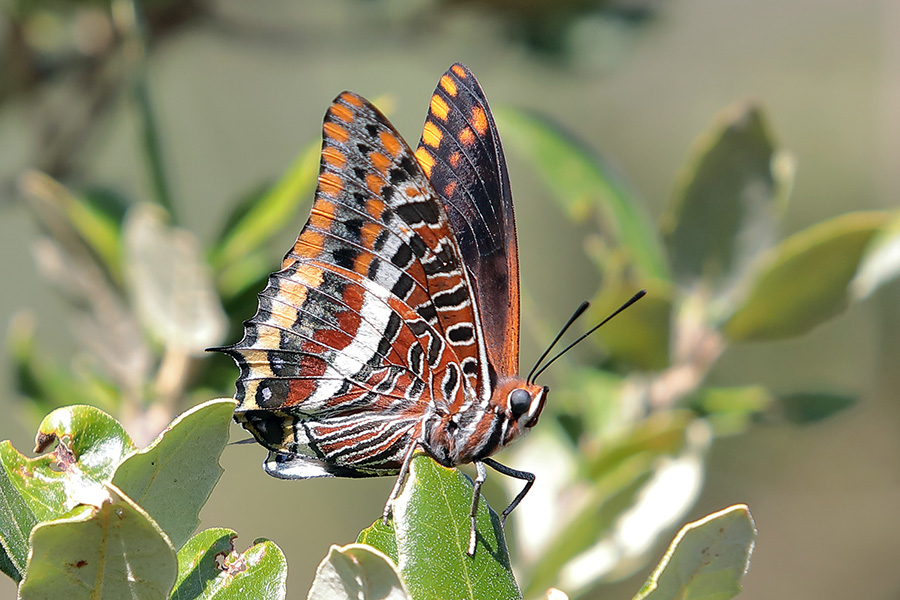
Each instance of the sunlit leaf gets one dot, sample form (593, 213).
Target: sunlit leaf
(638, 485)
(707, 559)
(727, 205)
(16, 521)
(173, 477)
(803, 281)
(357, 572)
(209, 568)
(110, 552)
(381, 537)
(89, 446)
(582, 183)
(881, 261)
(431, 522)
(171, 283)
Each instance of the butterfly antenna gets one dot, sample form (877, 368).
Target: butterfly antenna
(633, 299)
(578, 312)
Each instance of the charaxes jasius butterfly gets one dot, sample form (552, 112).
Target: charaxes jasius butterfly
(393, 324)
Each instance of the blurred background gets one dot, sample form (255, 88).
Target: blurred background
(237, 91)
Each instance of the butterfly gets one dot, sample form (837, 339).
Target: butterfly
(392, 327)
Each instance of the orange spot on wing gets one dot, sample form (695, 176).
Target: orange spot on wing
(454, 159)
(449, 188)
(342, 112)
(352, 99)
(390, 143)
(321, 215)
(448, 85)
(439, 108)
(466, 137)
(363, 261)
(374, 183)
(309, 275)
(479, 120)
(375, 207)
(426, 161)
(369, 233)
(330, 184)
(460, 72)
(431, 135)
(335, 132)
(334, 157)
(380, 161)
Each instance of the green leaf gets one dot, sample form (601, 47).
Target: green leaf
(89, 446)
(381, 537)
(114, 551)
(210, 569)
(94, 216)
(803, 281)
(730, 410)
(431, 522)
(707, 559)
(16, 522)
(173, 477)
(170, 281)
(804, 408)
(726, 208)
(617, 476)
(881, 261)
(580, 181)
(271, 212)
(638, 336)
(357, 572)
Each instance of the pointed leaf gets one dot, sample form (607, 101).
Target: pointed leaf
(210, 569)
(881, 262)
(271, 212)
(173, 477)
(16, 522)
(803, 281)
(707, 559)
(580, 181)
(89, 446)
(727, 206)
(111, 552)
(357, 572)
(94, 216)
(381, 537)
(431, 522)
(171, 283)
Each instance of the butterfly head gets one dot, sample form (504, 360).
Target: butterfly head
(521, 402)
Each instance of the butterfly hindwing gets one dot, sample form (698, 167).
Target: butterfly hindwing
(460, 151)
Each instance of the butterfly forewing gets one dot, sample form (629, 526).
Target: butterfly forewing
(460, 151)
(370, 323)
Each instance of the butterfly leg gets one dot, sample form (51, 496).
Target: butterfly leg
(523, 475)
(476, 492)
(398, 485)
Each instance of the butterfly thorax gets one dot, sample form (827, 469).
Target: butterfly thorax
(479, 431)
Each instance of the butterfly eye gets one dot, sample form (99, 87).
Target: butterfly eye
(519, 402)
